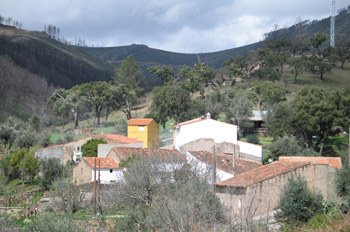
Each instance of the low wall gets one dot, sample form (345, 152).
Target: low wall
(251, 150)
(6, 201)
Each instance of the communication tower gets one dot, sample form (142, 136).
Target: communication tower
(332, 32)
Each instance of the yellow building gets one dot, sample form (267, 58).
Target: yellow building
(145, 130)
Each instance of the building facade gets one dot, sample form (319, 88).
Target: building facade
(145, 130)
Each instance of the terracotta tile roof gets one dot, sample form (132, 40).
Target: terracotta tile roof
(170, 155)
(139, 121)
(58, 145)
(331, 161)
(117, 139)
(224, 162)
(262, 173)
(104, 162)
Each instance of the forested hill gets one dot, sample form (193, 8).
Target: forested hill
(146, 56)
(60, 64)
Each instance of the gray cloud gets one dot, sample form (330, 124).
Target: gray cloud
(182, 25)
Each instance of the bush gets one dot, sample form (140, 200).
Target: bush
(53, 223)
(59, 141)
(5, 223)
(89, 149)
(285, 146)
(52, 169)
(68, 137)
(297, 202)
(253, 139)
(342, 185)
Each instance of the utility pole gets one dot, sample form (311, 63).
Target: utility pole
(214, 168)
(234, 159)
(99, 182)
(94, 195)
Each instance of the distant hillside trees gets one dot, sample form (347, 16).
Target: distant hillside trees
(21, 93)
(52, 31)
(10, 21)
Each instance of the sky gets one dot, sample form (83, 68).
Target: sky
(184, 26)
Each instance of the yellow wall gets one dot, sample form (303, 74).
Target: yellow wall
(149, 137)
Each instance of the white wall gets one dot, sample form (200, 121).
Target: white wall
(106, 177)
(251, 149)
(206, 128)
(203, 168)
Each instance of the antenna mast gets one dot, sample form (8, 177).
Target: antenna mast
(332, 32)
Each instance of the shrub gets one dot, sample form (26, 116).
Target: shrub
(53, 223)
(285, 146)
(89, 149)
(59, 140)
(253, 139)
(51, 169)
(297, 202)
(342, 184)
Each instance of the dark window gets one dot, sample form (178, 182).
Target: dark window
(111, 171)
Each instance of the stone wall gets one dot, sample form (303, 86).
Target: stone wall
(51, 152)
(263, 197)
(6, 201)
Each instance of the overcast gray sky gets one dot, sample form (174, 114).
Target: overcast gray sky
(190, 26)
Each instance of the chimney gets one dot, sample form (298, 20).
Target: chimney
(208, 115)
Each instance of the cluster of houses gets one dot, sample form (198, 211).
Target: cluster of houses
(241, 181)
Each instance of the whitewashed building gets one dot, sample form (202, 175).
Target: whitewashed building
(203, 133)
(110, 172)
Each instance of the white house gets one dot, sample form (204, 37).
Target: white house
(110, 172)
(202, 134)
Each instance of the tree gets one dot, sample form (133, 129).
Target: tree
(26, 138)
(286, 146)
(68, 196)
(267, 73)
(297, 202)
(342, 51)
(342, 184)
(162, 197)
(196, 77)
(98, 94)
(317, 113)
(163, 72)
(127, 77)
(239, 66)
(52, 169)
(5, 166)
(171, 102)
(297, 63)
(317, 39)
(269, 93)
(280, 124)
(7, 135)
(89, 149)
(68, 101)
(25, 164)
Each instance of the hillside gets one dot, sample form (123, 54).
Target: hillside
(149, 56)
(60, 64)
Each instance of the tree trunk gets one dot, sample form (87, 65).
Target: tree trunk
(323, 142)
(128, 109)
(321, 77)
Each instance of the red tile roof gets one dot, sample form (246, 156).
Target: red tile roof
(139, 121)
(331, 161)
(117, 139)
(104, 162)
(225, 162)
(170, 155)
(262, 173)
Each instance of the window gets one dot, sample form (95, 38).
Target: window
(111, 171)
(141, 128)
